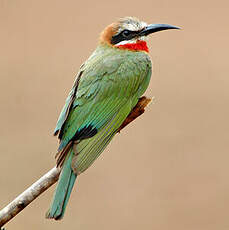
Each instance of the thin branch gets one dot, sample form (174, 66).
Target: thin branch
(50, 178)
(28, 196)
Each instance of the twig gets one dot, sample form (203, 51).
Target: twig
(28, 196)
(50, 178)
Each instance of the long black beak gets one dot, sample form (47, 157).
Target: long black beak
(152, 28)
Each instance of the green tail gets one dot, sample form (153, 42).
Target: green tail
(63, 190)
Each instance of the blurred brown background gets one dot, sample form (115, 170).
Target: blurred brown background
(166, 171)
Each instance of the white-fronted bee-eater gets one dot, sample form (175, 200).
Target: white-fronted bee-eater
(106, 89)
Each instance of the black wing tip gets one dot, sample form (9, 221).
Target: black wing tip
(86, 132)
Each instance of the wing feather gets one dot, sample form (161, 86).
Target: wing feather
(105, 86)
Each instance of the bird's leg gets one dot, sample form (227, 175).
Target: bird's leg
(138, 110)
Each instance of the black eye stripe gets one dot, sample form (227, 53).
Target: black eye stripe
(126, 33)
(123, 35)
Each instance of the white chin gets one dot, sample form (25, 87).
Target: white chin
(131, 41)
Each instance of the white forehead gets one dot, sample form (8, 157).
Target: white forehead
(130, 23)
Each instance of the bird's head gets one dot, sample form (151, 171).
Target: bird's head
(131, 33)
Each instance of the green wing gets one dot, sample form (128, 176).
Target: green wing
(106, 91)
(65, 111)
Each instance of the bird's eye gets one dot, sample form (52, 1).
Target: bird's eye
(126, 33)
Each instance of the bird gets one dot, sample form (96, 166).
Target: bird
(106, 89)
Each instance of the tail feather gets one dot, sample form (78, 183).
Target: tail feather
(63, 190)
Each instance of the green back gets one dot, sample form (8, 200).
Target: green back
(108, 86)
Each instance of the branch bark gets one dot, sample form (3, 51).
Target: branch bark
(51, 177)
(30, 194)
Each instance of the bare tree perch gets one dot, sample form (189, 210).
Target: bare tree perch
(50, 178)
(30, 194)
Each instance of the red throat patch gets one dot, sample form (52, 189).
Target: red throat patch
(138, 46)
